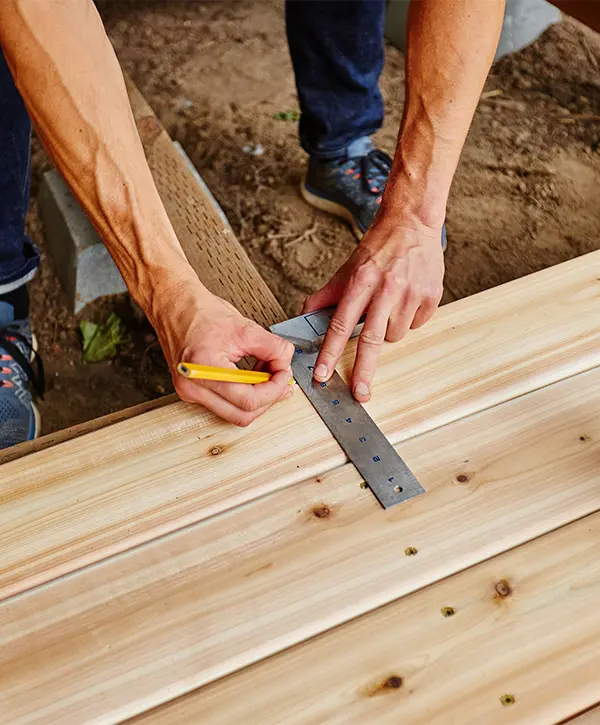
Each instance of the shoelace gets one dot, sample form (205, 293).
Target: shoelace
(9, 337)
(375, 168)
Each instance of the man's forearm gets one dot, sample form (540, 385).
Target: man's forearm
(451, 45)
(70, 79)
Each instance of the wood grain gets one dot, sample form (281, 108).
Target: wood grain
(89, 498)
(524, 625)
(89, 426)
(316, 557)
(180, 612)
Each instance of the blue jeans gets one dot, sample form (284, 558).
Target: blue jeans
(337, 52)
(19, 257)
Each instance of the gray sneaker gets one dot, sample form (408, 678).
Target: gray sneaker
(350, 188)
(19, 418)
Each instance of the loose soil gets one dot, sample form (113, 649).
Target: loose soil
(524, 197)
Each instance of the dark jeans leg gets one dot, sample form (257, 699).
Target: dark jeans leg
(337, 52)
(19, 257)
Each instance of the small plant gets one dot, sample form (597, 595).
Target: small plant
(286, 115)
(101, 341)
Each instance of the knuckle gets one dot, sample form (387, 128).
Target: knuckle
(395, 331)
(391, 284)
(411, 294)
(184, 393)
(430, 292)
(371, 338)
(246, 331)
(248, 404)
(435, 293)
(242, 420)
(339, 326)
(366, 273)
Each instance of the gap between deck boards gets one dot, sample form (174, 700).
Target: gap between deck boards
(114, 489)
(237, 588)
(522, 625)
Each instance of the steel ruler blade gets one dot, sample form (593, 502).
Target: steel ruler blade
(383, 470)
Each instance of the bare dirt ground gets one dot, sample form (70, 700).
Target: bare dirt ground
(216, 73)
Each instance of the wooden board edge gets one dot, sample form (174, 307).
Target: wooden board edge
(209, 244)
(591, 716)
(76, 431)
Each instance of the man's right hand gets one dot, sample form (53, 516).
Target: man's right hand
(195, 326)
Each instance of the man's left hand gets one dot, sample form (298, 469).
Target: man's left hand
(396, 276)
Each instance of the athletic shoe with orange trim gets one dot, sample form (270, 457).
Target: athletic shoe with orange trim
(19, 417)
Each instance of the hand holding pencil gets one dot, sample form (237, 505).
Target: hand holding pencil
(198, 328)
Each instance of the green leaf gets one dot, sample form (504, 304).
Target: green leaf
(88, 330)
(101, 341)
(286, 115)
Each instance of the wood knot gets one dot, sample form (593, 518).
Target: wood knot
(508, 700)
(393, 682)
(462, 478)
(448, 611)
(216, 450)
(411, 551)
(584, 438)
(322, 512)
(503, 589)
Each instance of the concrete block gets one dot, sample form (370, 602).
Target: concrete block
(524, 21)
(84, 266)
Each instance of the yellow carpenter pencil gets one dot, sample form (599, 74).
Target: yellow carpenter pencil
(223, 375)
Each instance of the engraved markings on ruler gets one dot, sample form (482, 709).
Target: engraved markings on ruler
(388, 477)
(386, 474)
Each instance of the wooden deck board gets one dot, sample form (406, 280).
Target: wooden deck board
(89, 426)
(316, 557)
(168, 617)
(115, 488)
(539, 644)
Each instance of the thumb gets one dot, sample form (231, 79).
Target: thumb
(267, 347)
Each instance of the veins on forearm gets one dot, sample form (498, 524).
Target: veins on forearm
(120, 214)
